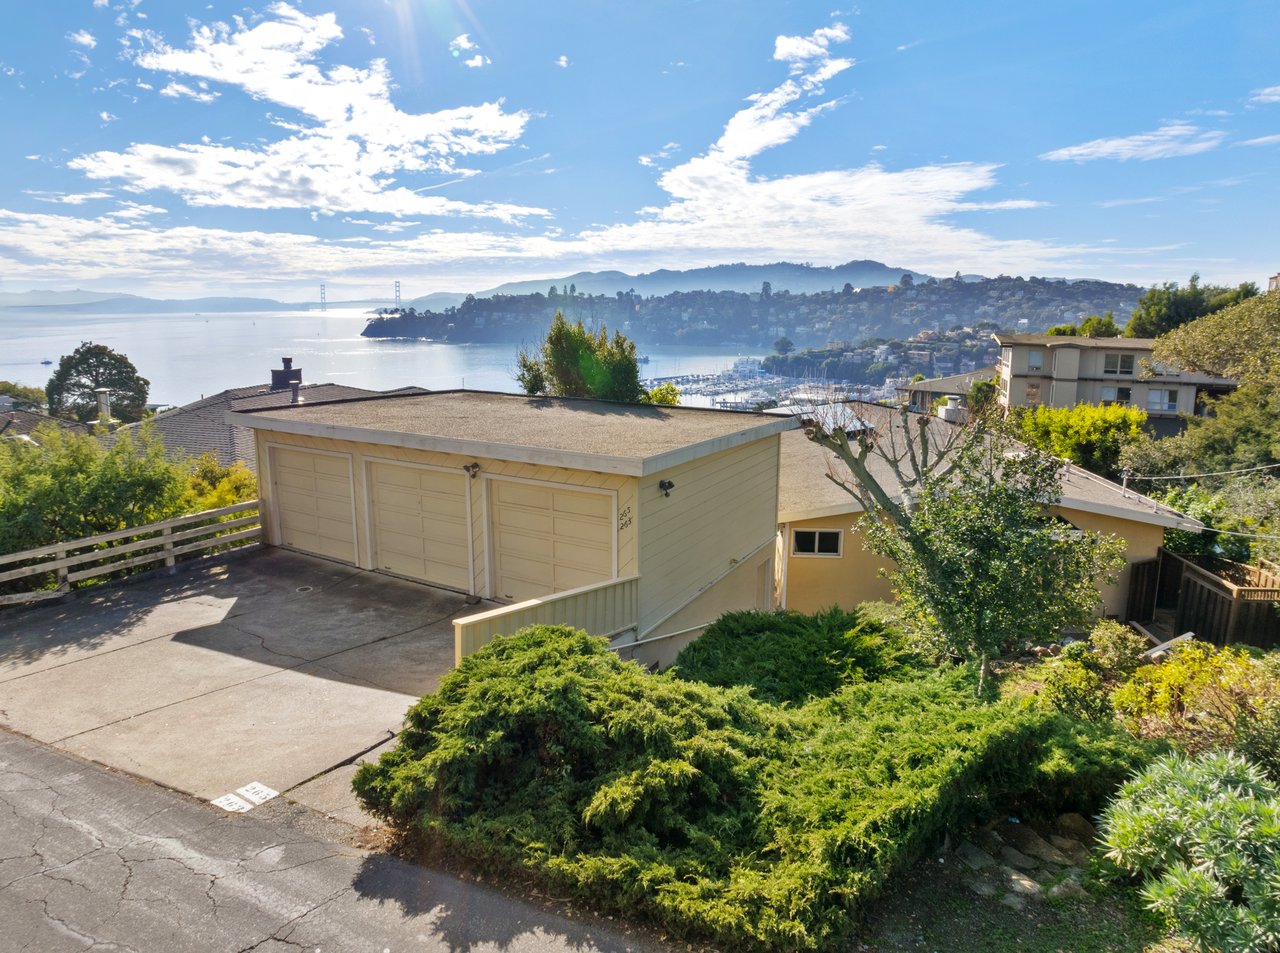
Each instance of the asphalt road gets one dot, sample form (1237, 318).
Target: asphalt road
(91, 859)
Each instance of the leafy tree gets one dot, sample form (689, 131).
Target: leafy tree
(981, 395)
(1241, 341)
(71, 388)
(1100, 327)
(766, 289)
(66, 486)
(1063, 331)
(1089, 435)
(575, 362)
(980, 562)
(906, 281)
(666, 394)
(24, 398)
(1162, 309)
(784, 345)
(210, 485)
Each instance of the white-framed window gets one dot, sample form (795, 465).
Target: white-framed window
(817, 542)
(1117, 395)
(1162, 398)
(1035, 362)
(1117, 364)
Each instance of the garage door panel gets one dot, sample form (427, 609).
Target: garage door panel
(312, 495)
(421, 523)
(548, 539)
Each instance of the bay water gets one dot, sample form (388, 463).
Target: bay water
(187, 356)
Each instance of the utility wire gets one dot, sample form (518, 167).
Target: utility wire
(1194, 476)
(1229, 532)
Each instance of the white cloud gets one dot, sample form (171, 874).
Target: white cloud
(651, 160)
(477, 61)
(461, 43)
(100, 3)
(346, 154)
(177, 90)
(83, 38)
(717, 206)
(1262, 141)
(1170, 140)
(562, 61)
(107, 117)
(369, 35)
(1269, 94)
(65, 198)
(1139, 200)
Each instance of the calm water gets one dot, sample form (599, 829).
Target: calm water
(187, 356)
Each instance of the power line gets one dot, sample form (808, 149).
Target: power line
(1196, 476)
(1231, 532)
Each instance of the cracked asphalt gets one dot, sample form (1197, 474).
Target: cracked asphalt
(95, 860)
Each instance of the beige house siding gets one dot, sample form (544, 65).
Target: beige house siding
(623, 488)
(723, 508)
(746, 586)
(1142, 540)
(818, 582)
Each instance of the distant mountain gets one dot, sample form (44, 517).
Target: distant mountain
(86, 303)
(782, 276)
(56, 299)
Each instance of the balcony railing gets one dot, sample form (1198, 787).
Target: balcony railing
(607, 608)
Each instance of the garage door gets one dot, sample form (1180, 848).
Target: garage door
(312, 496)
(420, 524)
(546, 539)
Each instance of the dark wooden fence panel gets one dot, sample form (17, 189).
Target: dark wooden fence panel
(1143, 579)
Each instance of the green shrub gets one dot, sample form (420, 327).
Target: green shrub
(1080, 765)
(789, 656)
(1075, 685)
(1204, 835)
(1117, 648)
(1258, 739)
(1198, 697)
(749, 824)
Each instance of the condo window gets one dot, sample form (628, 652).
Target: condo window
(1117, 364)
(1116, 395)
(816, 542)
(1035, 361)
(1159, 398)
(1033, 393)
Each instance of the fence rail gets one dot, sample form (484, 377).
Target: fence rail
(93, 557)
(603, 608)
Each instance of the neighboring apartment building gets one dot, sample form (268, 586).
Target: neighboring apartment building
(1041, 369)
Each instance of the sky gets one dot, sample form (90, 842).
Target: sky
(177, 149)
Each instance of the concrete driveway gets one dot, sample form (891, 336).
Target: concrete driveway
(274, 668)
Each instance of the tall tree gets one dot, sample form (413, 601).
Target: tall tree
(1089, 435)
(963, 512)
(70, 390)
(1169, 306)
(574, 362)
(24, 398)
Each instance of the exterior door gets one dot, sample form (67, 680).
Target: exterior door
(421, 526)
(312, 498)
(548, 539)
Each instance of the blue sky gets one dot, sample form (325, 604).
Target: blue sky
(176, 148)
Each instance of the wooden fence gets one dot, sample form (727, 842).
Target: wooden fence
(86, 560)
(1222, 611)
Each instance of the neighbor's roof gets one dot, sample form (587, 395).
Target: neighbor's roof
(954, 383)
(21, 423)
(201, 426)
(633, 439)
(1064, 340)
(805, 491)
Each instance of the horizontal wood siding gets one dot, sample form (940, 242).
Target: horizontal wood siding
(721, 510)
(603, 609)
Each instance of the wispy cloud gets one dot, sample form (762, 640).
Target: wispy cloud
(83, 38)
(1170, 140)
(1268, 94)
(562, 61)
(65, 198)
(344, 156)
(475, 62)
(1262, 141)
(107, 117)
(177, 90)
(1138, 200)
(651, 160)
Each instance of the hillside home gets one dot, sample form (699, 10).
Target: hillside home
(1040, 369)
(922, 395)
(639, 522)
(822, 558)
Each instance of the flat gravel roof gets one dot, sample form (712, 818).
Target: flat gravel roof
(470, 421)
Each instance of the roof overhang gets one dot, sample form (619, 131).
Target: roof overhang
(537, 456)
